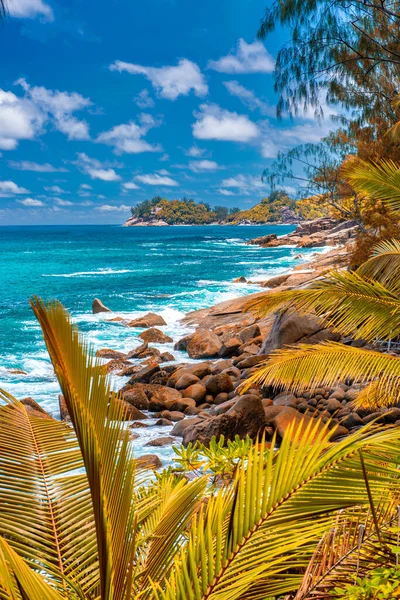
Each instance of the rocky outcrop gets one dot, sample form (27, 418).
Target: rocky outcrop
(108, 353)
(156, 336)
(98, 307)
(203, 344)
(148, 320)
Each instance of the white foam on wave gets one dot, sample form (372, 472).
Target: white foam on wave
(94, 273)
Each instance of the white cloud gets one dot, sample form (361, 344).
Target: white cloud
(164, 158)
(171, 81)
(59, 108)
(31, 202)
(143, 99)
(95, 169)
(200, 166)
(112, 208)
(27, 165)
(156, 179)
(249, 98)
(25, 117)
(86, 186)
(128, 137)
(195, 152)
(9, 188)
(55, 189)
(130, 185)
(246, 58)
(225, 192)
(244, 184)
(30, 9)
(61, 202)
(215, 123)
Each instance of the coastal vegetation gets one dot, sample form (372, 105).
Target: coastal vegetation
(278, 207)
(81, 519)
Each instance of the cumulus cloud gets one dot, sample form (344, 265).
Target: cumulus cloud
(170, 81)
(130, 185)
(9, 189)
(25, 117)
(96, 169)
(244, 184)
(31, 202)
(143, 99)
(200, 166)
(156, 179)
(112, 208)
(27, 165)
(249, 99)
(225, 192)
(55, 189)
(246, 58)
(195, 151)
(128, 138)
(215, 123)
(61, 202)
(30, 9)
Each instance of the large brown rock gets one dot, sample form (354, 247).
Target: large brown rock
(131, 412)
(149, 461)
(109, 353)
(64, 414)
(149, 320)
(219, 383)
(34, 409)
(136, 352)
(197, 391)
(98, 307)
(288, 415)
(291, 328)
(162, 397)
(200, 370)
(137, 397)
(180, 426)
(180, 404)
(245, 417)
(186, 380)
(203, 344)
(156, 336)
(249, 333)
(145, 373)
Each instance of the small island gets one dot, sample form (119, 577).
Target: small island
(276, 208)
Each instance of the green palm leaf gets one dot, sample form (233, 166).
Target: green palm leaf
(380, 180)
(98, 419)
(254, 543)
(45, 510)
(347, 302)
(308, 366)
(384, 265)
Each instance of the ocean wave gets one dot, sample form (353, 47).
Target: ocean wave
(91, 273)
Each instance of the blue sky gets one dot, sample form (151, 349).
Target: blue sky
(105, 104)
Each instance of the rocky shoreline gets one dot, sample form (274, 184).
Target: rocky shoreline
(197, 400)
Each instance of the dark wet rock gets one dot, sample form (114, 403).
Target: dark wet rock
(156, 336)
(136, 352)
(285, 418)
(249, 333)
(161, 377)
(192, 411)
(251, 361)
(131, 412)
(98, 307)
(137, 397)
(145, 373)
(172, 415)
(180, 404)
(163, 423)
(240, 280)
(286, 400)
(116, 365)
(149, 320)
(139, 425)
(162, 397)
(339, 432)
(186, 380)
(197, 391)
(333, 405)
(245, 417)
(182, 344)
(221, 398)
(219, 383)
(167, 357)
(230, 347)
(180, 426)
(64, 414)
(352, 420)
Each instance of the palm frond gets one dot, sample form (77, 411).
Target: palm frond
(45, 509)
(98, 419)
(350, 550)
(255, 542)
(347, 302)
(384, 265)
(377, 180)
(309, 366)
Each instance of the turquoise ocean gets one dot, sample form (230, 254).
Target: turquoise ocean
(133, 270)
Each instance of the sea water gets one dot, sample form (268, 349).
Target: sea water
(133, 270)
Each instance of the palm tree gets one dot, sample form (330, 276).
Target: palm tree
(364, 304)
(79, 520)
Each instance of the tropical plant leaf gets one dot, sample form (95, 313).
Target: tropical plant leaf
(98, 416)
(254, 543)
(309, 366)
(45, 510)
(347, 302)
(350, 550)
(384, 265)
(377, 180)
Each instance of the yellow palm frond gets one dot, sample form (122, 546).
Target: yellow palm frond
(98, 419)
(45, 509)
(347, 302)
(377, 180)
(384, 265)
(20, 582)
(309, 366)
(255, 542)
